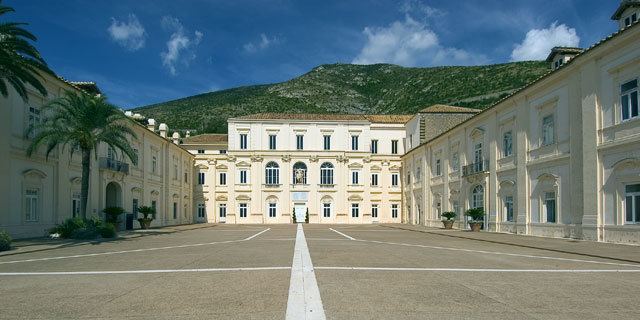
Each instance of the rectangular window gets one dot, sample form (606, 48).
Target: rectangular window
(222, 210)
(201, 176)
(374, 179)
(394, 211)
(632, 203)
(629, 100)
(508, 208)
(548, 130)
(326, 210)
(355, 210)
(175, 170)
(134, 162)
(374, 211)
(550, 206)
(186, 177)
(327, 142)
(201, 211)
(272, 210)
(299, 142)
(374, 146)
(410, 141)
(34, 120)
(223, 151)
(31, 197)
(394, 146)
(272, 142)
(394, 179)
(175, 210)
(354, 143)
(438, 168)
(244, 143)
(507, 144)
(243, 210)
(243, 176)
(75, 204)
(200, 151)
(223, 179)
(355, 178)
(134, 208)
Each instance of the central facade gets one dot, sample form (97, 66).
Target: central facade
(331, 168)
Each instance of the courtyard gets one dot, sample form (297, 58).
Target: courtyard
(360, 272)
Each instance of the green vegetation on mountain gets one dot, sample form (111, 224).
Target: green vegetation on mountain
(346, 88)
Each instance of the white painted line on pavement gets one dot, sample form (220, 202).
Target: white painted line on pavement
(132, 251)
(257, 234)
(501, 253)
(342, 234)
(304, 300)
(484, 270)
(84, 273)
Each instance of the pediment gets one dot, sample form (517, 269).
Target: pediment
(355, 197)
(136, 190)
(355, 165)
(477, 133)
(394, 168)
(222, 167)
(202, 167)
(243, 164)
(34, 173)
(376, 168)
(243, 197)
(75, 180)
(222, 197)
(628, 163)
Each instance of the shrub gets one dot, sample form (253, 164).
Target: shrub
(449, 215)
(111, 214)
(83, 234)
(67, 228)
(294, 216)
(476, 214)
(5, 241)
(306, 216)
(107, 230)
(147, 211)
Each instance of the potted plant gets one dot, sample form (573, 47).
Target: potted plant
(293, 215)
(306, 217)
(477, 218)
(148, 213)
(447, 219)
(112, 214)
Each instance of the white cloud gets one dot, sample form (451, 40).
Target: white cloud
(130, 34)
(410, 43)
(538, 42)
(180, 46)
(264, 43)
(417, 7)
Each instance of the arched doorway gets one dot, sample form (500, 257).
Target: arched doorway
(113, 195)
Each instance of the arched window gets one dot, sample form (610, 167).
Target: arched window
(326, 173)
(299, 173)
(477, 197)
(272, 174)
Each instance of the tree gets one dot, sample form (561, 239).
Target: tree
(81, 122)
(20, 61)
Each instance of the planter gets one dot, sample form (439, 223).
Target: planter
(448, 224)
(475, 226)
(145, 223)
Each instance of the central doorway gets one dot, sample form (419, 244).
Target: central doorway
(300, 210)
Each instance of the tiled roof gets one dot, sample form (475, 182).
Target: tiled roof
(206, 139)
(563, 50)
(441, 108)
(382, 118)
(624, 6)
(88, 86)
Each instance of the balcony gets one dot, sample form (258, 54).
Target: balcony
(475, 168)
(113, 165)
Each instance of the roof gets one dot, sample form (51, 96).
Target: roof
(87, 86)
(624, 5)
(563, 50)
(441, 108)
(206, 139)
(536, 81)
(378, 118)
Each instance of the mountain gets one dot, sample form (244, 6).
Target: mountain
(347, 88)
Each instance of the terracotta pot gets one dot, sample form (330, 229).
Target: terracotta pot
(144, 223)
(475, 226)
(448, 224)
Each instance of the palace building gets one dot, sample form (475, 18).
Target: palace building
(559, 157)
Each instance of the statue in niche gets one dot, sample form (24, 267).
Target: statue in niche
(299, 175)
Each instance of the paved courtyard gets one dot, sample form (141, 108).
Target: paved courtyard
(317, 271)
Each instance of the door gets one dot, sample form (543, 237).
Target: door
(300, 212)
(222, 213)
(478, 158)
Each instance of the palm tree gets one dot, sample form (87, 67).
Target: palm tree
(81, 122)
(20, 62)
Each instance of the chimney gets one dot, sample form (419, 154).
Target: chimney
(151, 125)
(163, 128)
(188, 134)
(176, 138)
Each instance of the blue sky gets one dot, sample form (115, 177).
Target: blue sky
(147, 51)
